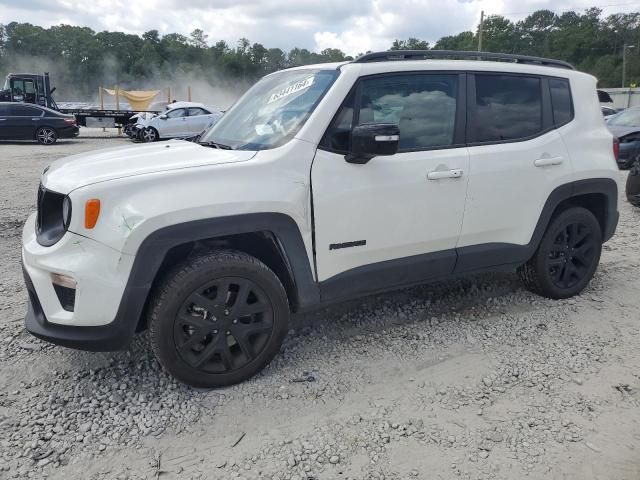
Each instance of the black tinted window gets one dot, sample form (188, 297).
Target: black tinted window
(561, 101)
(423, 107)
(507, 108)
(338, 134)
(25, 111)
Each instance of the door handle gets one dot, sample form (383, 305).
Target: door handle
(440, 174)
(545, 162)
(3, 119)
(35, 119)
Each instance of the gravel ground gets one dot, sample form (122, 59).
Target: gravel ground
(469, 379)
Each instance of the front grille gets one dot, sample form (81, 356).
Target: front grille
(50, 225)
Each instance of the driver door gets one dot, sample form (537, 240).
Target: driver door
(175, 124)
(396, 219)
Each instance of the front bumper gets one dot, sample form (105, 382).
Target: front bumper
(98, 319)
(103, 338)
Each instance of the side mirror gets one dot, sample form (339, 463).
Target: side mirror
(373, 140)
(163, 117)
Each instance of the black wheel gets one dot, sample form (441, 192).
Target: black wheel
(150, 135)
(46, 136)
(218, 319)
(633, 185)
(567, 256)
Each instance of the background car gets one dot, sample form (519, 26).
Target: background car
(182, 120)
(19, 121)
(626, 126)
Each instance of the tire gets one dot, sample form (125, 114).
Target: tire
(149, 135)
(207, 340)
(567, 256)
(632, 188)
(46, 135)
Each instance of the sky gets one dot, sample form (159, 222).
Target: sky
(350, 25)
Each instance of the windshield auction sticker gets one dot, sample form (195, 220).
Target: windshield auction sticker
(291, 89)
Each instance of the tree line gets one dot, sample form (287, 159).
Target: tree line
(82, 59)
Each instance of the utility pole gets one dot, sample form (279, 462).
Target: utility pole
(480, 32)
(624, 62)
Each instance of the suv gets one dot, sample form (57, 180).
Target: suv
(323, 183)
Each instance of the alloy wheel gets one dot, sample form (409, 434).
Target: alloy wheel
(223, 325)
(149, 135)
(46, 136)
(571, 255)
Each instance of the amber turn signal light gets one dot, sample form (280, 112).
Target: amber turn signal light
(91, 213)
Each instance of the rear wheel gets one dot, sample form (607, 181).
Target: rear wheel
(150, 135)
(567, 256)
(218, 319)
(633, 185)
(46, 136)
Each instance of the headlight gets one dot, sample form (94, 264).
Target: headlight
(66, 212)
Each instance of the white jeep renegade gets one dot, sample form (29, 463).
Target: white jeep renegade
(322, 183)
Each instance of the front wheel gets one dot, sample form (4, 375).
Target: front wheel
(218, 319)
(150, 135)
(46, 136)
(567, 256)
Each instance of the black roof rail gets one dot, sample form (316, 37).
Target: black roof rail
(393, 55)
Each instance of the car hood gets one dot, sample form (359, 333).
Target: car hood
(620, 131)
(77, 171)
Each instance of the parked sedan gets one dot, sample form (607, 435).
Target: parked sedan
(179, 122)
(626, 126)
(19, 121)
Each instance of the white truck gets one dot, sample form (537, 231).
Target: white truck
(323, 183)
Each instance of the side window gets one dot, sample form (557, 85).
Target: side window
(507, 107)
(338, 135)
(422, 105)
(176, 113)
(561, 101)
(24, 111)
(194, 112)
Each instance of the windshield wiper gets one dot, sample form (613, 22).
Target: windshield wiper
(221, 146)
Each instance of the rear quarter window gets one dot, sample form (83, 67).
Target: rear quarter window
(561, 101)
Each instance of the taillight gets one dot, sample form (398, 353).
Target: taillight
(616, 148)
(70, 121)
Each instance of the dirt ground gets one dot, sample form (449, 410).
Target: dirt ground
(472, 379)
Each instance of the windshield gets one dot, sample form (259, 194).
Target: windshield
(628, 118)
(272, 111)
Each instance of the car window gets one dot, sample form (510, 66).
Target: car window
(561, 101)
(176, 113)
(194, 112)
(507, 107)
(25, 111)
(338, 135)
(422, 105)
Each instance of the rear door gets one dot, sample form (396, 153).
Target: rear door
(197, 120)
(517, 158)
(25, 120)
